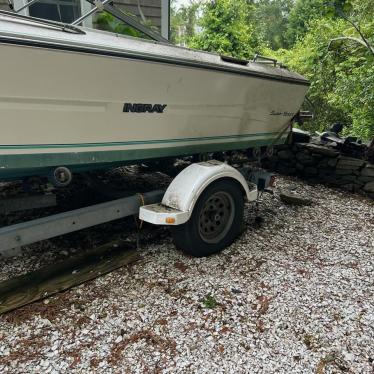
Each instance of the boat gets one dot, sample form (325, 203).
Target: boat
(87, 99)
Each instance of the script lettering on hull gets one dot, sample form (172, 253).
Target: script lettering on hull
(284, 114)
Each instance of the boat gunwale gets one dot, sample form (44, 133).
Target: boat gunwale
(42, 44)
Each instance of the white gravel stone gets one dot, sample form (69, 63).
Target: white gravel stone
(295, 295)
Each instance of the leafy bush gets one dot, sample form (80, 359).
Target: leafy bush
(341, 75)
(107, 22)
(226, 29)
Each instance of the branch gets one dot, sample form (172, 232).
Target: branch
(358, 29)
(363, 43)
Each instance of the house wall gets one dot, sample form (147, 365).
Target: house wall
(4, 5)
(150, 8)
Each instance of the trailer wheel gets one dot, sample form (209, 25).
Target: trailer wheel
(215, 222)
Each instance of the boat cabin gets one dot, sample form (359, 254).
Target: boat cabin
(155, 12)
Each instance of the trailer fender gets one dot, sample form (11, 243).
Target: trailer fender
(187, 187)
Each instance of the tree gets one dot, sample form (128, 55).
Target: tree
(271, 20)
(300, 17)
(340, 8)
(341, 74)
(184, 22)
(227, 29)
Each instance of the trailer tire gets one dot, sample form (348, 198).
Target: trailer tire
(216, 220)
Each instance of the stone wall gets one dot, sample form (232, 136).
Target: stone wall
(321, 164)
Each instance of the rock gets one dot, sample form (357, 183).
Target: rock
(365, 179)
(347, 167)
(287, 170)
(349, 163)
(119, 339)
(268, 164)
(331, 180)
(299, 166)
(327, 162)
(295, 148)
(368, 171)
(299, 146)
(351, 187)
(344, 172)
(300, 136)
(305, 158)
(321, 150)
(323, 163)
(317, 158)
(274, 157)
(282, 147)
(350, 178)
(369, 187)
(285, 154)
(272, 164)
(310, 171)
(294, 199)
(332, 162)
(324, 171)
(339, 181)
(313, 180)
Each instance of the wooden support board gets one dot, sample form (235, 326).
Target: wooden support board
(25, 289)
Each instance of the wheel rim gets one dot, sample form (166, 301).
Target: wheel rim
(216, 217)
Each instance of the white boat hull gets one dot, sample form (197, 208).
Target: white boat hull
(61, 107)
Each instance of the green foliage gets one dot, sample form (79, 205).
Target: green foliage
(184, 22)
(226, 29)
(209, 302)
(301, 15)
(354, 94)
(105, 21)
(271, 21)
(342, 77)
(338, 7)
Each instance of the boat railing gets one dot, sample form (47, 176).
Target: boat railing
(98, 6)
(267, 60)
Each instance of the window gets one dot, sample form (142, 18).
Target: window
(56, 10)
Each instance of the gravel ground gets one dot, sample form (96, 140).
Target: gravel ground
(293, 295)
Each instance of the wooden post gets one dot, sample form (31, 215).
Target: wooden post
(25, 289)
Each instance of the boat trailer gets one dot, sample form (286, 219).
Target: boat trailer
(173, 207)
(203, 205)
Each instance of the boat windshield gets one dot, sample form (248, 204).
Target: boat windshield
(53, 24)
(107, 17)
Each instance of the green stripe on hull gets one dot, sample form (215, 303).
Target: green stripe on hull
(241, 137)
(20, 165)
